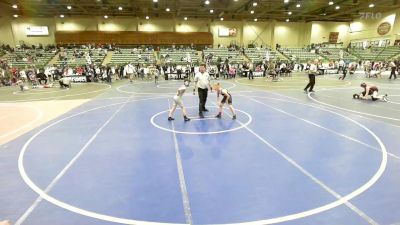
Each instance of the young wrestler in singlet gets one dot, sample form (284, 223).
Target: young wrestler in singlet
(226, 97)
(371, 91)
(178, 101)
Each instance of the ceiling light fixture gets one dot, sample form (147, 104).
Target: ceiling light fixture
(155, 1)
(337, 7)
(298, 5)
(207, 2)
(285, 1)
(120, 8)
(372, 5)
(105, 17)
(15, 6)
(289, 13)
(211, 10)
(167, 9)
(287, 20)
(252, 11)
(222, 19)
(255, 19)
(62, 16)
(69, 7)
(16, 16)
(255, 4)
(147, 17)
(185, 18)
(331, 3)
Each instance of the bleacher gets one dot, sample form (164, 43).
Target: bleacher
(223, 54)
(299, 54)
(124, 56)
(29, 57)
(179, 57)
(2, 53)
(376, 53)
(334, 54)
(257, 55)
(96, 58)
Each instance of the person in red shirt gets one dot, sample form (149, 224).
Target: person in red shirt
(79, 71)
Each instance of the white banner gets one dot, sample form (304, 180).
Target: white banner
(77, 78)
(37, 31)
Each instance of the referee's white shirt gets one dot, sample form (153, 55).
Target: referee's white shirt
(313, 69)
(202, 79)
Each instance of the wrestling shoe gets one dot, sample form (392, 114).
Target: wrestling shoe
(385, 99)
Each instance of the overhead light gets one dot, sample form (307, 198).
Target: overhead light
(185, 18)
(255, 4)
(155, 1)
(147, 17)
(15, 6)
(222, 19)
(235, 0)
(167, 9)
(285, 1)
(120, 8)
(372, 5)
(298, 5)
(337, 7)
(287, 20)
(331, 2)
(69, 7)
(62, 16)
(323, 14)
(255, 19)
(105, 17)
(16, 16)
(207, 2)
(252, 11)
(289, 13)
(211, 10)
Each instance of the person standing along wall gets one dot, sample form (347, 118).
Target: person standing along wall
(393, 68)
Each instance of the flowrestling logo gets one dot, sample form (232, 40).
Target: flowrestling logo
(370, 15)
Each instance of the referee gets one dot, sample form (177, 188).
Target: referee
(312, 71)
(202, 82)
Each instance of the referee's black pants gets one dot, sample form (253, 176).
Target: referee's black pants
(393, 73)
(203, 98)
(311, 83)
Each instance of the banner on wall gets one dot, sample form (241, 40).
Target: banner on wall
(37, 31)
(226, 32)
(333, 37)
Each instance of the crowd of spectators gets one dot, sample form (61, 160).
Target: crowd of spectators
(225, 68)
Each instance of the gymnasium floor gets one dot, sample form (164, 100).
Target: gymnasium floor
(290, 158)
